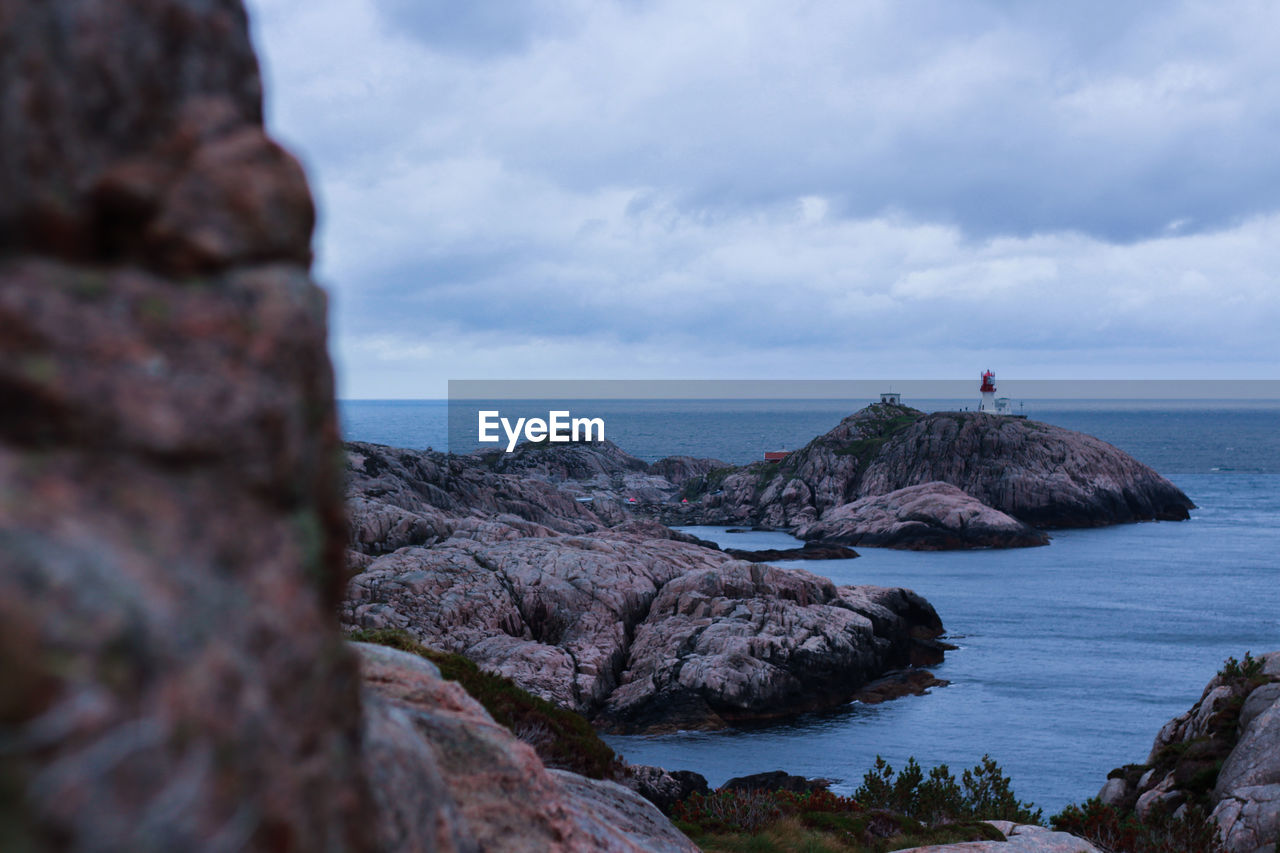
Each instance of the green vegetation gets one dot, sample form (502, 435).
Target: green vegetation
(1194, 764)
(696, 487)
(888, 812)
(561, 738)
(1117, 830)
(1249, 669)
(983, 793)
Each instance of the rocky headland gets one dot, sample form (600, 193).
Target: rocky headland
(637, 626)
(1041, 475)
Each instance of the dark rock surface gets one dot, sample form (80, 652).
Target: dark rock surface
(664, 788)
(818, 550)
(928, 517)
(775, 780)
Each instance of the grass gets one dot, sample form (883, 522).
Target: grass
(562, 738)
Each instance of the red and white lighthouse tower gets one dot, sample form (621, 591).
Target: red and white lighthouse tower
(988, 389)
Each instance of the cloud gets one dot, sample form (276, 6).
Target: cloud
(796, 188)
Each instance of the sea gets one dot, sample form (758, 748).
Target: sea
(1071, 656)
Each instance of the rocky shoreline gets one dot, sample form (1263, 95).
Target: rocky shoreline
(636, 626)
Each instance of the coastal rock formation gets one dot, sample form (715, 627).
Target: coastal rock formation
(747, 642)
(928, 517)
(1222, 755)
(398, 498)
(474, 785)
(171, 514)
(810, 551)
(1042, 475)
(644, 633)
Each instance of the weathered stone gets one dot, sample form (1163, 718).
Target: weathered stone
(604, 625)
(171, 518)
(810, 551)
(1113, 792)
(1256, 758)
(1019, 838)
(1249, 820)
(487, 790)
(927, 517)
(664, 788)
(775, 780)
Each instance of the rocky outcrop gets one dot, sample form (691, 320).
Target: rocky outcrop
(775, 780)
(474, 785)
(638, 626)
(1042, 475)
(680, 469)
(664, 788)
(928, 517)
(1019, 838)
(645, 633)
(1222, 756)
(171, 515)
(810, 551)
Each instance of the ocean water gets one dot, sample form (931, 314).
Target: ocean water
(1071, 656)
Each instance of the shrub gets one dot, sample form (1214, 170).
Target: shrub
(984, 793)
(729, 811)
(1249, 669)
(1110, 829)
(561, 737)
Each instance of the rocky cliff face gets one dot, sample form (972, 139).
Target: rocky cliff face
(1223, 755)
(1041, 475)
(636, 626)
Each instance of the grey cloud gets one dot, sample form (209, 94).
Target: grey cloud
(476, 28)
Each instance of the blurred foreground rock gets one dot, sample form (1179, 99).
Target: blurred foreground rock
(172, 528)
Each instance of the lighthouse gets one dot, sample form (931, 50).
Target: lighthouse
(990, 403)
(988, 389)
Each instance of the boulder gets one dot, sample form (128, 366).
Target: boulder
(775, 780)
(476, 786)
(810, 551)
(929, 517)
(1019, 838)
(664, 788)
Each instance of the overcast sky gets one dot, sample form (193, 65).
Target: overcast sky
(706, 189)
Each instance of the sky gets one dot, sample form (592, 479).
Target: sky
(821, 190)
